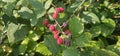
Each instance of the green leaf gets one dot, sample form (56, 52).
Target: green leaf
(48, 3)
(110, 22)
(1, 51)
(118, 42)
(87, 53)
(15, 51)
(16, 32)
(22, 3)
(34, 21)
(90, 17)
(8, 8)
(108, 27)
(36, 4)
(103, 52)
(76, 26)
(106, 3)
(41, 48)
(38, 8)
(70, 52)
(40, 12)
(50, 42)
(25, 13)
(23, 46)
(95, 30)
(9, 1)
(40, 22)
(101, 43)
(114, 49)
(31, 45)
(72, 7)
(51, 10)
(1, 27)
(83, 39)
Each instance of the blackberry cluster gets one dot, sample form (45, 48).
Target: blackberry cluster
(56, 33)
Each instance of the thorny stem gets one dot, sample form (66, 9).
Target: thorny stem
(59, 26)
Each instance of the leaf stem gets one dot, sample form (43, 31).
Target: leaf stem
(53, 5)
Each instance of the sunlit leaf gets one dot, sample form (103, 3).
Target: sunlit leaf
(76, 26)
(41, 48)
(47, 4)
(90, 17)
(25, 13)
(9, 1)
(108, 27)
(16, 32)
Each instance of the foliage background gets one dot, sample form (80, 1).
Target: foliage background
(94, 25)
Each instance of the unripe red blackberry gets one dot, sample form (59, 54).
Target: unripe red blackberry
(59, 41)
(55, 15)
(67, 32)
(61, 9)
(56, 36)
(51, 27)
(55, 32)
(45, 22)
(57, 10)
